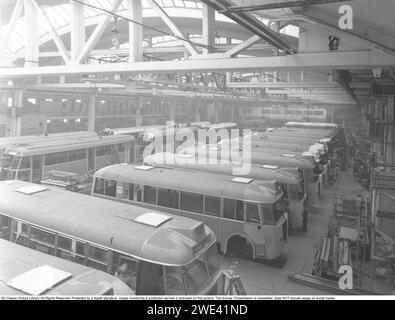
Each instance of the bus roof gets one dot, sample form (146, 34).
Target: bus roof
(171, 160)
(18, 263)
(135, 130)
(106, 223)
(257, 158)
(223, 125)
(7, 141)
(213, 184)
(67, 144)
(312, 125)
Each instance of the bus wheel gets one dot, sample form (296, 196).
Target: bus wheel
(239, 247)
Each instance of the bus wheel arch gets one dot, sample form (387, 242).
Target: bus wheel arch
(238, 243)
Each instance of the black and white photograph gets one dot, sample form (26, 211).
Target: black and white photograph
(211, 151)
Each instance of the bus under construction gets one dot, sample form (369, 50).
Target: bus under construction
(32, 161)
(248, 216)
(152, 252)
(304, 166)
(289, 179)
(25, 271)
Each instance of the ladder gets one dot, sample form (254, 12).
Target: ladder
(234, 283)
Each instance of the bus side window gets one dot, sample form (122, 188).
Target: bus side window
(229, 208)
(168, 198)
(192, 202)
(110, 188)
(131, 191)
(234, 209)
(240, 210)
(212, 206)
(99, 186)
(5, 225)
(149, 194)
(252, 213)
(127, 270)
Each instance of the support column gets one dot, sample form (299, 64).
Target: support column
(135, 31)
(173, 112)
(91, 112)
(31, 28)
(139, 118)
(14, 113)
(196, 110)
(208, 26)
(77, 29)
(390, 127)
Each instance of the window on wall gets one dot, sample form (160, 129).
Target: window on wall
(76, 155)
(121, 147)
(104, 150)
(149, 194)
(192, 202)
(212, 206)
(168, 198)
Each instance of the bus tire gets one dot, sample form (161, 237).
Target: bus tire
(240, 247)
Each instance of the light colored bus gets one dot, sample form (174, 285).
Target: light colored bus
(7, 142)
(258, 158)
(154, 253)
(32, 162)
(146, 135)
(25, 271)
(248, 217)
(289, 179)
(320, 125)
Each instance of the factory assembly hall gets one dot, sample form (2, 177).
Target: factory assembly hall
(197, 148)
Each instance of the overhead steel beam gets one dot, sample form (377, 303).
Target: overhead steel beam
(326, 85)
(97, 33)
(328, 26)
(172, 26)
(77, 29)
(251, 23)
(16, 13)
(31, 29)
(55, 36)
(325, 60)
(243, 45)
(280, 5)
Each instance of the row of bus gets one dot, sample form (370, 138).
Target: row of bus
(160, 237)
(144, 252)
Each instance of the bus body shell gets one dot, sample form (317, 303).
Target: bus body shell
(106, 235)
(266, 240)
(16, 260)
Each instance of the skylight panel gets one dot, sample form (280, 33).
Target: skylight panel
(168, 3)
(152, 219)
(179, 3)
(38, 280)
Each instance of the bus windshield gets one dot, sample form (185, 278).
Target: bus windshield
(6, 161)
(190, 279)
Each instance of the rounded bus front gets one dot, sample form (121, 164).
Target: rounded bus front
(152, 252)
(245, 215)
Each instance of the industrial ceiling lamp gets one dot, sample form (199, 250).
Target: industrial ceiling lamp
(115, 31)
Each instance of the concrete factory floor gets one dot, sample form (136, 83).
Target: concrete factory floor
(261, 279)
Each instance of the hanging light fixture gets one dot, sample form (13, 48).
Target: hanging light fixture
(115, 31)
